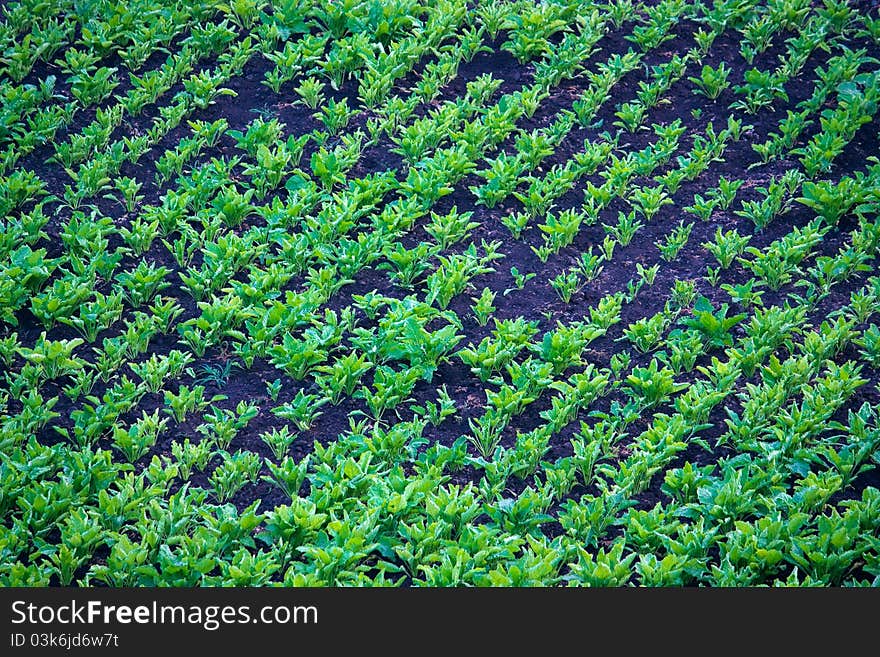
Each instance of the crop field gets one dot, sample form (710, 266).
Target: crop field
(439, 293)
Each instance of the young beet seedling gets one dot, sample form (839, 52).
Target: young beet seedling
(482, 306)
(519, 280)
(712, 82)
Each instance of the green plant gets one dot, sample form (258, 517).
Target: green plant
(335, 116)
(727, 246)
(91, 88)
(760, 89)
(831, 201)
(450, 228)
(683, 293)
(645, 333)
(675, 241)
(744, 294)
(650, 386)
(630, 116)
(519, 279)
(390, 389)
(712, 82)
(604, 568)
(234, 472)
(406, 265)
(216, 376)
(682, 350)
(278, 441)
(289, 476)
(302, 410)
(726, 191)
(714, 324)
(137, 440)
(437, 411)
(625, 229)
(311, 92)
(129, 189)
(273, 389)
(482, 306)
(647, 201)
(589, 265)
(187, 400)
(566, 284)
